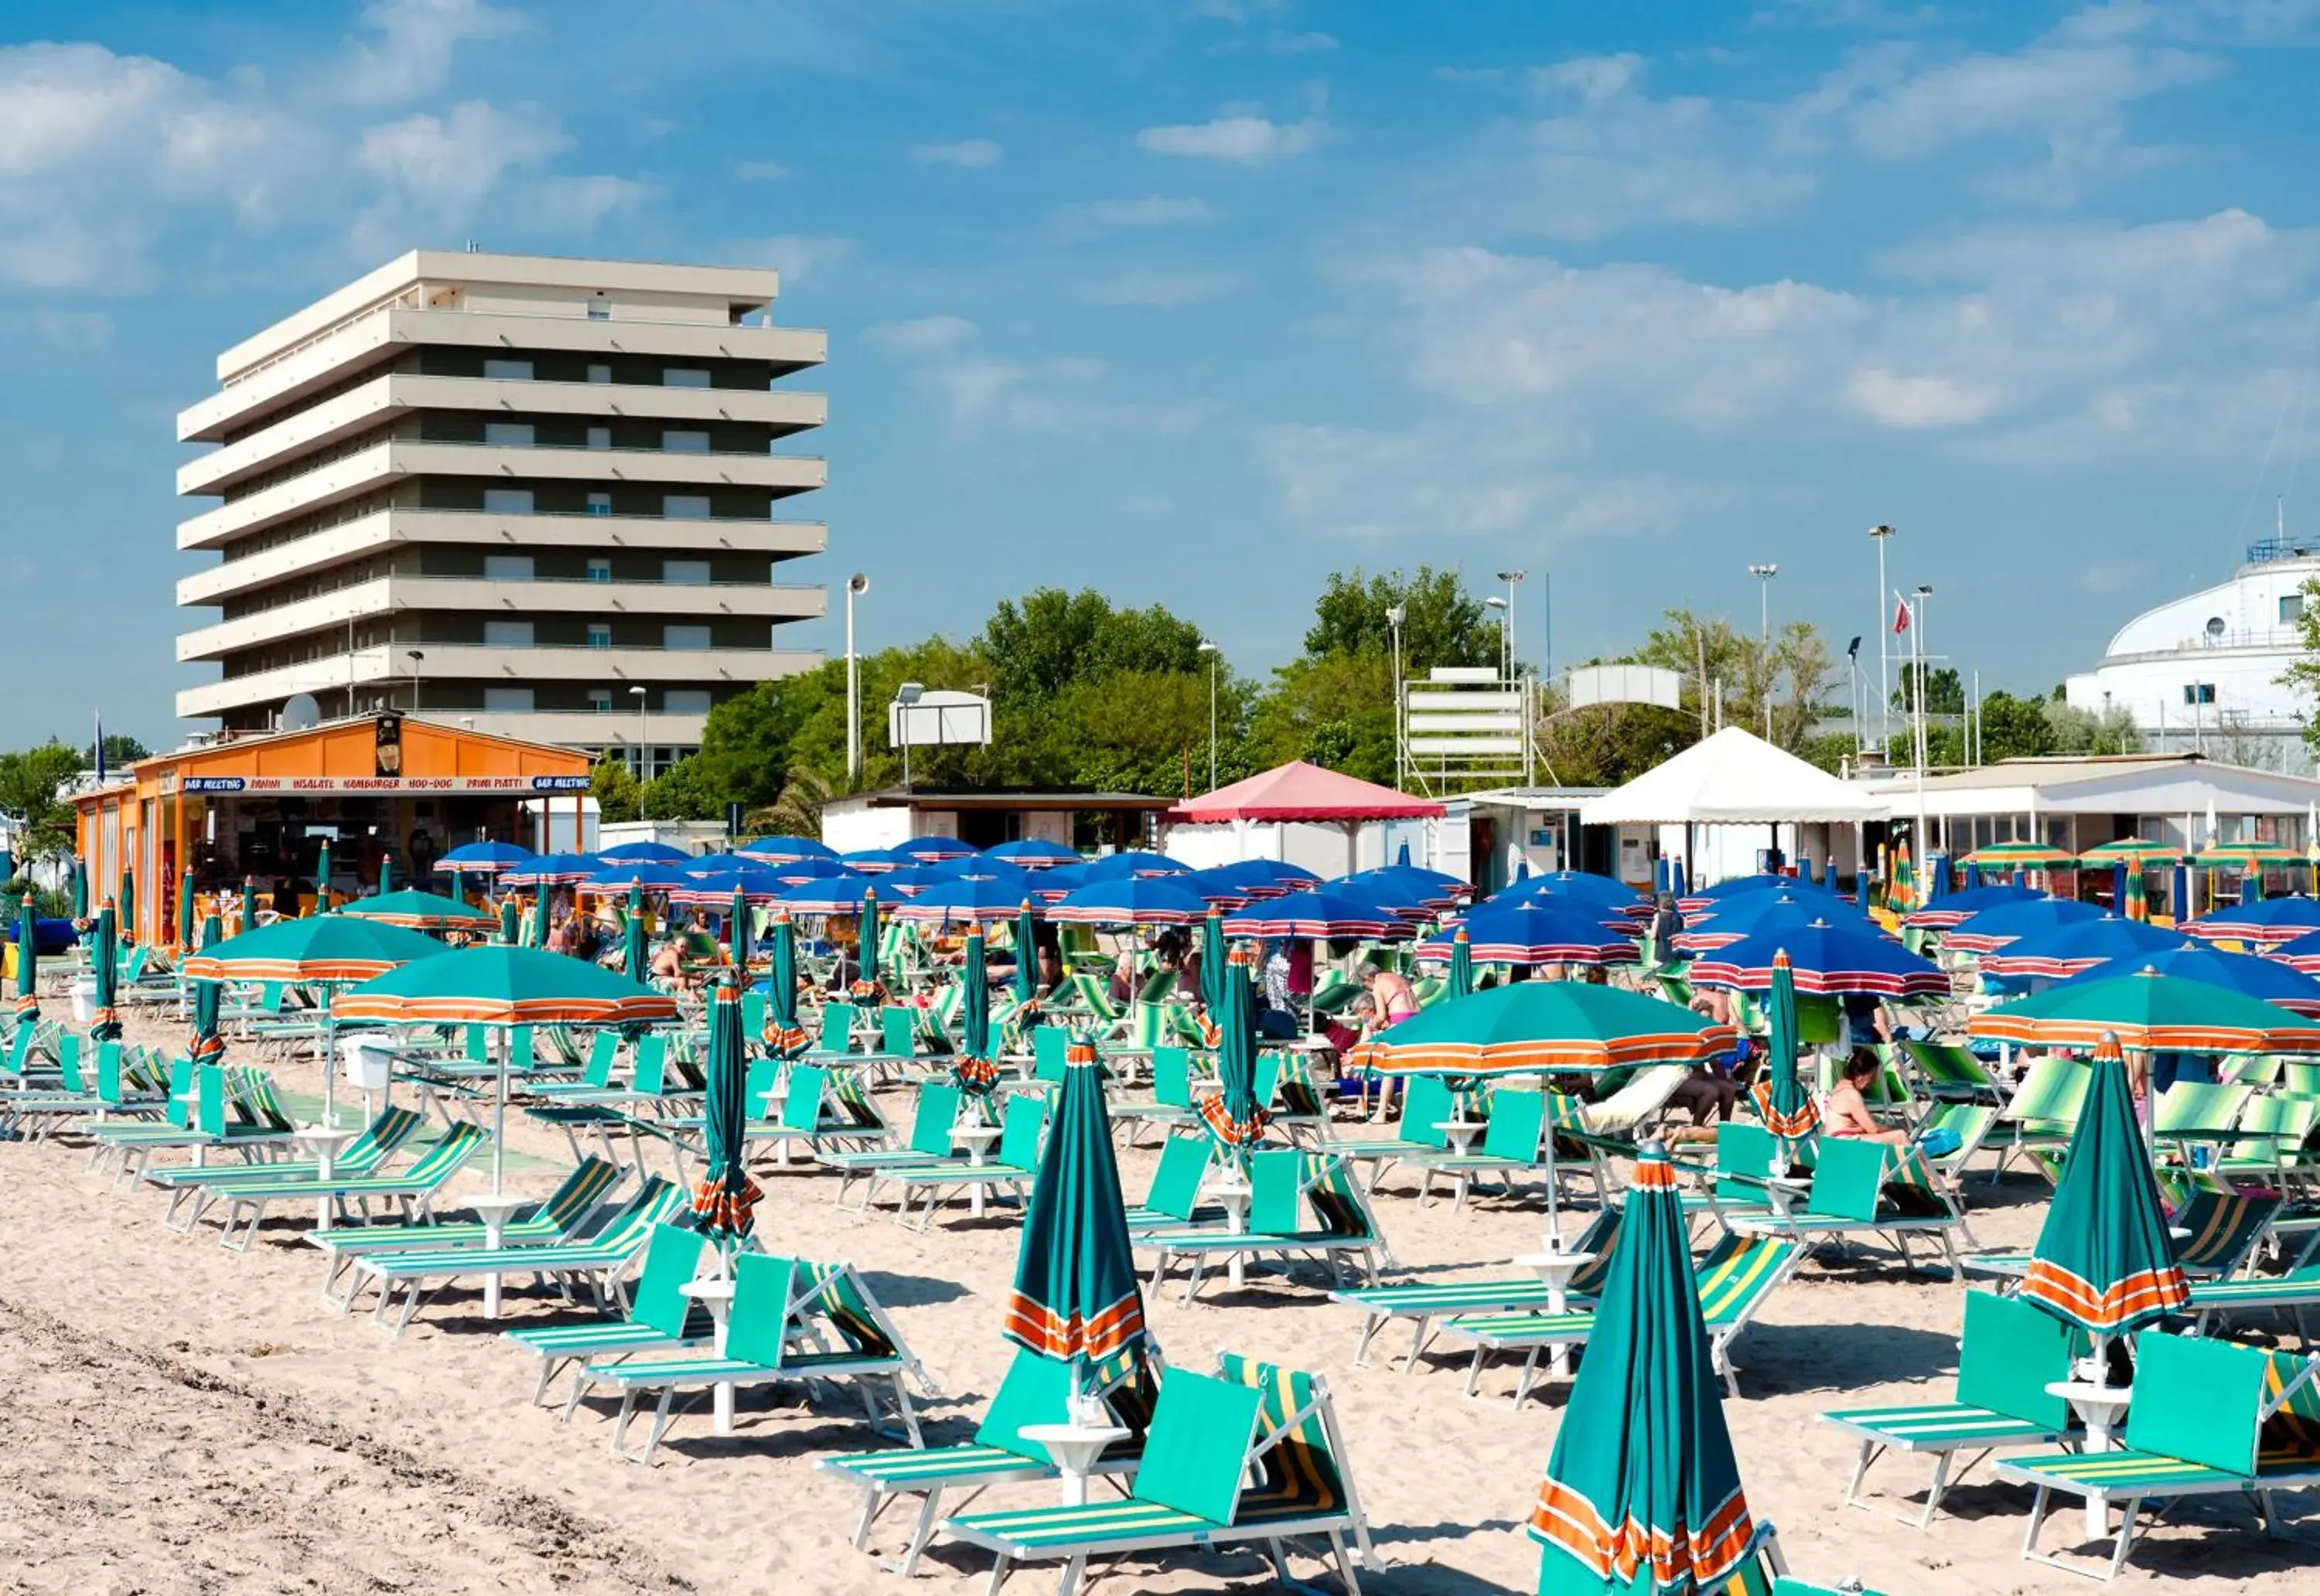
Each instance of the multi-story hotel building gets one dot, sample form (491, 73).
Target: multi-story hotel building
(542, 495)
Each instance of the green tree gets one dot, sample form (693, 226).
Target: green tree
(1730, 675)
(2303, 674)
(1442, 623)
(1944, 691)
(1334, 710)
(1053, 639)
(2011, 728)
(121, 748)
(686, 791)
(618, 793)
(31, 780)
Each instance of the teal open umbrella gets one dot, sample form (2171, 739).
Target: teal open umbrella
(724, 1197)
(783, 1036)
(632, 938)
(249, 902)
(511, 920)
(207, 1046)
(322, 878)
(1788, 1109)
(1461, 966)
(974, 1068)
(1233, 1115)
(28, 962)
(185, 926)
(416, 910)
(105, 967)
(124, 925)
(1642, 1495)
(1076, 1297)
(80, 892)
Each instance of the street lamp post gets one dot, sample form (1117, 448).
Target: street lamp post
(1880, 534)
(1394, 617)
(1512, 579)
(644, 754)
(1215, 655)
(416, 658)
(1500, 605)
(1764, 575)
(855, 585)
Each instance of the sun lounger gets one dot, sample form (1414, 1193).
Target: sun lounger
(1425, 1304)
(2227, 1225)
(189, 1185)
(1013, 1164)
(1283, 1183)
(1950, 1072)
(2274, 1147)
(410, 1190)
(213, 1108)
(2010, 1352)
(928, 1148)
(599, 1260)
(1172, 1199)
(1036, 1390)
(1862, 1188)
(1514, 1145)
(1735, 1281)
(558, 1218)
(1253, 1455)
(2214, 1302)
(2043, 1112)
(660, 1318)
(1426, 1103)
(2210, 1419)
(825, 1105)
(791, 1321)
(1171, 1105)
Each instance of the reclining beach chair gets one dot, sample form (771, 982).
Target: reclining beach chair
(2275, 1142)
(557, 1218)
(410, 1190)
(1948, 1071)
(2010, 1352)
(2039, 1118)
(599, 1260)
(2197, 1120)
(2214, 1302)
(2226, 1225)
(1862, 1188)
(1735, 1281)
(1013, 1166)
(1036, 1390)
(1627, 1115)
(791, 1321)
(1515, 1144)
(1251, 1455)
(825, 1105)
(1283, 1183)
(1285, 1090)
(928, 1146)
(1173, 1200)
(661, 1318)
(1170, 1106)
(89, 1082)
(1426, 1103)
(2210, 1419)
(189, 1185)
(1428, 1303)
(230, 1110)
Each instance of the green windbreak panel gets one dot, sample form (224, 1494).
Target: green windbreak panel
(1198, 1445)
(1172, 1077)
(762, 1288)
(1037, 1391)
(898, 1028)
(1018, 1133)
(837, 1027)
(1175, 1188)
(1516, 1121)
(937, 1111)
(801, 1108)
(1848, 1178)
(2195, 1399)
(1427, 1106)
(1274, 1177)
(1742, 1150)
(1048, 1045)
(2011, 1352)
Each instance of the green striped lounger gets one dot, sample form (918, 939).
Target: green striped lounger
(411, 1189)
(661, 1318)
(555, 1219)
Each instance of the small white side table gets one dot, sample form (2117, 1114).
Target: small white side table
(193, 1102)
(1232, 1194)
(717, 1296)
(1461, 1133)
(1075, 1448)
(323, 1141)
(493, 1209)
(2098, 1407)
(977, 1141)
(1781, 1190)
(1555, 1267)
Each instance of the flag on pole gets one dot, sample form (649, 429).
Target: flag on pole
(100, 747)
(1900, 615)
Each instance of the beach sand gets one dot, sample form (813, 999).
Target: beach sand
(184, 1418)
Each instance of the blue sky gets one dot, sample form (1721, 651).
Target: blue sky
(1195, 300)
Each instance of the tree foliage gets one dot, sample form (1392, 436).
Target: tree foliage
(1442, 624)
(31, 780)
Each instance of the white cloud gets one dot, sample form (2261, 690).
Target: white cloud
(759, 171)
(2048, 90)
(1059, 396)
(1152, 211)
(1914, 401)
(1234, 138)
(1158, 289)
(796, 256)
(973, 153)
(926, 335)
(415, 41)
(447, 164)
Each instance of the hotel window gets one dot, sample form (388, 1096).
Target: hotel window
(508, 567)
(600, 699)
(685, 573)
(508, 501)
(507, 701)
(507, 634)
(508, 371)
(508, 434)
(685, 637)
(600, 570)
(600, 309)
(600, 438)
(679, 378)
(2291, 608)
(684, 441)
(600, 634)
(600, 374)
(685, 506)
(600, 503)
(684, 700)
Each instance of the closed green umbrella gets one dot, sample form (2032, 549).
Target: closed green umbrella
(783, 1036)
(865, 982)
(1212, 960)
(249, 902)
(737, 934)
(511, 920)
(125, 920)
(1787, 1108)
(28, 963)
(80, 892)
(1233, 1114)
(185, 907)
(105, 966)
(2103, 1260)
(322, 878)
(207, 1046)
(633, 964)
(1076, 1297)
(725, 1196)
(1026, 961)
(385, 873)
(976, 1070)
(541, 907)
(1461, 966)
(1642, 1495)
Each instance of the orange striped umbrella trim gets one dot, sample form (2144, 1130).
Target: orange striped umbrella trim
(469, 1011)
(1094, 1338)
(2136, 1296)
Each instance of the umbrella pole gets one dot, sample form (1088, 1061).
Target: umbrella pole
(329, 1060)
(499, 1112)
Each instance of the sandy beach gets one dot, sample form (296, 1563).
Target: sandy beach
(183, 1419)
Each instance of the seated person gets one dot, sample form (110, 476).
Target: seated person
(1846, 1114)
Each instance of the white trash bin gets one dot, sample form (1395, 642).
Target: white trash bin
(362, 1065)
(84, 1000)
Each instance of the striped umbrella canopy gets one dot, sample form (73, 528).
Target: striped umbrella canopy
(485, 859)
(505, 987)
(1541, 931)
(1408, 903)
(633, 964)
(1534, 1025)
(641, 853)
(620, 877)
(725, 1197)
(2303, 954)
(206, 1047)
(1959, 907)
(1134, 861)
(975, 1067)
(981, 867)
(1741, 886)
(185, 922)
(2136, 853)
(913, 879)
(1781, 1098)
(718, 888)
(2103, 1260)
(837, 894)
(80, 891)
(105, 966)
(1130, 901)
(1642, 1494)
(1590, 891)
(2273, 980)
(125, 921)
(2072, 950)
(249, 902)
(2250, 856)
(872, 861)
(1764, 913)
(932, 850)
(2271, 921)
(2162, 1012)
(783, 1036)
(1031, 853)
(1825, 960)
(1317, 913)
(321, 950)
(552, 870)
(1406, 886)
(28, 962)
(1216, 889)
(967, 900)
(1460, 981)
(2022, 855)
(1076, 1298)
(416, 910)
(792, 872)
(510, 918)
(322, 878)
(1268, 878)
(1233, 1115)
(1993, 928)
(784, 850)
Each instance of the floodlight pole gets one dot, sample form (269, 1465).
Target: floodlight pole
(855, 585)
(1215, 655)
(1394, 617)
(1879, 535)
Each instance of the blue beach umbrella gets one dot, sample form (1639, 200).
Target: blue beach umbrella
(1130, 900)
(643, 853)
(784, 850)
(1827, 960)
(2274, 979)
(485, 859)
(1031, 853)
(932, 850)
(1319, 915)
(1134, 861)
(1269, 878)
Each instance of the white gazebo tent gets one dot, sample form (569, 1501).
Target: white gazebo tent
(1734, 778)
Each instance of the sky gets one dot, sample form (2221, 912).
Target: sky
(1197, 301)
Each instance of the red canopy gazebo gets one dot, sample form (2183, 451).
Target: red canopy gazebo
(1298, 792)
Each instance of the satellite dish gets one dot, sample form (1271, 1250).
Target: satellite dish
(301, 714)
(2215, 629)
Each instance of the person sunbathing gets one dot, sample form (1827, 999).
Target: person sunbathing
(1846, 1114)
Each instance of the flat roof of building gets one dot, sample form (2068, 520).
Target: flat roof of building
(1000, 798)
